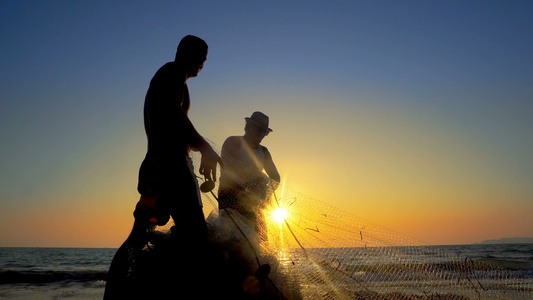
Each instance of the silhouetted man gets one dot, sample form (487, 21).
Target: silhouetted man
(243, 185)
(167, 182)
(166, 176)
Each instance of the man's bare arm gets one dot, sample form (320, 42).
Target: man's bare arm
(271, 169)
(208, 165)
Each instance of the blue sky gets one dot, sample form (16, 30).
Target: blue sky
(421, 107)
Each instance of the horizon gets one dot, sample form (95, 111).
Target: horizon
(414, 116)
(475, 243)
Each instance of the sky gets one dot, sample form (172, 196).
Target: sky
(414, 115)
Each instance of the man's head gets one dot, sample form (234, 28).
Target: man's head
(192, 53)
(256, 127)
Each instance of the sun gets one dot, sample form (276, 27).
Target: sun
(279, 214)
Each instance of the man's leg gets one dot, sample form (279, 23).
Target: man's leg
(190, 225)
(186, 207)
(117, 282)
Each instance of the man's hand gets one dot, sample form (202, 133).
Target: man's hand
(208, 165)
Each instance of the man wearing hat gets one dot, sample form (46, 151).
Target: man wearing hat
(243, 185)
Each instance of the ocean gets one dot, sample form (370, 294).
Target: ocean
(53, 273)
(80, 273)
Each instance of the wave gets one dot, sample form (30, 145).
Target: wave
(507, 264)
(446, 270)
(11, 276)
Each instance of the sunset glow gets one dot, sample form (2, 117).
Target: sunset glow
(279, 214)
(415, 117)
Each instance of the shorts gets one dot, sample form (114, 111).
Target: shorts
(166, 189)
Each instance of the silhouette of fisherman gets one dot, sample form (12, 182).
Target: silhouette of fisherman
(244, 188)
(243, 185)
(167, 182)
(166, 177)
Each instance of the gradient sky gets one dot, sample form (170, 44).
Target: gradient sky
(414, 115)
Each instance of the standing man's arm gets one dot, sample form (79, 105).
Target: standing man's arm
(208, 165)
(168, 123)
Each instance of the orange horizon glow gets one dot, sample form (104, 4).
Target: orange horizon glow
(405, 122)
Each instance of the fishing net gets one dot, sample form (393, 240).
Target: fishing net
(317, 251)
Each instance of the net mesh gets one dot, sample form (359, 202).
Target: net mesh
(317, 251)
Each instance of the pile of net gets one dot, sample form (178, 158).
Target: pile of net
(316, 251)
